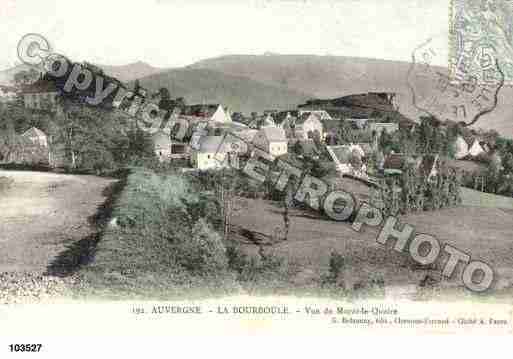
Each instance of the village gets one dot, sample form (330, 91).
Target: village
(344, 135)
(360, 143)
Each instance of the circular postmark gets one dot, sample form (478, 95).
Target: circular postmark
(463, 98)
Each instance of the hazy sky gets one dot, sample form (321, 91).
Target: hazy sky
(168, 33)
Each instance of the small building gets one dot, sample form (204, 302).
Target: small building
(36, 136)
(272, 140)
(461, 149)
(211, 153)
(476, 149)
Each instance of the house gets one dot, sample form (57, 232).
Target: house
(305, 127)
(36, 136)
(31, 148)
(272, 140)
(212, 153)
(461, 149)
(476, 149)
(41, 95)
(347, 160)
(379, 127)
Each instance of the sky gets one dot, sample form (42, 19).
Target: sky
(173, 33)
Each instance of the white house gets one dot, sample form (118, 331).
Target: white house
(36, 136)
(272, 140)
(214, 152)
(476, 149)
(460, 148)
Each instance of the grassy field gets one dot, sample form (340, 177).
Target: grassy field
(485, 200)
(163, 246)
(485, 232)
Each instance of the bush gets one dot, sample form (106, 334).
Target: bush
(336, 268)
(203, 252)
(262, 272)
(163, 242)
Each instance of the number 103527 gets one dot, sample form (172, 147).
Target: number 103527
(25, 347)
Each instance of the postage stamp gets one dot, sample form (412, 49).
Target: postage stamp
(481, 38)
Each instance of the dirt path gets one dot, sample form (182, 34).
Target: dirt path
(43, 214)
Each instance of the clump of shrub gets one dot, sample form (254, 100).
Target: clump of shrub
(262, 272)
(163, 239)
(203, 252)
(335, 274)
(338, 279)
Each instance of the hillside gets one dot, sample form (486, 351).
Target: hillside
(336, 76)
(258, 82)
(129, 72)
(237, 92)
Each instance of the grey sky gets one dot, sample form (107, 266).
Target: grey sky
(170, 33)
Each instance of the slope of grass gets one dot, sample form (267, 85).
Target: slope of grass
(160, 247)
(487, 200)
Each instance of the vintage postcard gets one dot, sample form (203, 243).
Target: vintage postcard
(254, 167)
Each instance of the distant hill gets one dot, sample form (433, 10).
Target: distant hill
(336, 76)
(130, 72)
(237, 92)
(258, 82)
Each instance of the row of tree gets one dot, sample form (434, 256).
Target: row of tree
(411, 192)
